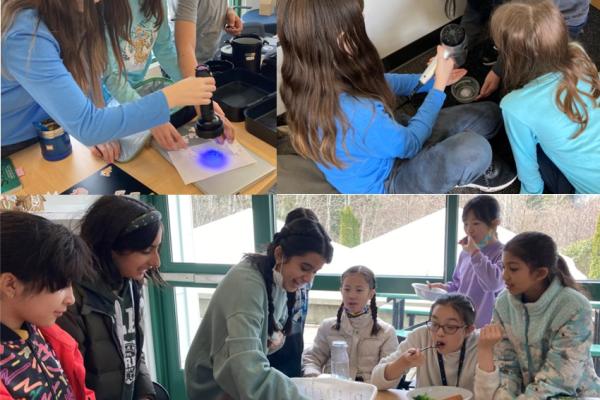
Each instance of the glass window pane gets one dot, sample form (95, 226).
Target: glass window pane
(190, 304)
(571, 220)
(392, 235)
(210, 229)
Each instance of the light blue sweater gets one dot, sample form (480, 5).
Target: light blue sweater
(546, 350)
(532, 117)
(228, 353)
(137, 55)
(36, 84)
(374, 139)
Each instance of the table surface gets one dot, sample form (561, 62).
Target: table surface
(149, 167)
(395, 394)
(392, 394)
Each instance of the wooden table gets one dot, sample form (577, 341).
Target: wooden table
(149, 167)
(392, 394)
(395, 394)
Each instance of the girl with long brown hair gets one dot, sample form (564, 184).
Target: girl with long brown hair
(150, 35)
(340, 108)
(552, 113)
(54, 54)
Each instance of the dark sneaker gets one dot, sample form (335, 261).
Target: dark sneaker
(489, 55)
(498, 176)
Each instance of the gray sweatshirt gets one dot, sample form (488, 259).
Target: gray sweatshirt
(209, 17)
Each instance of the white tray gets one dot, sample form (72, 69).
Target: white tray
(335, 389)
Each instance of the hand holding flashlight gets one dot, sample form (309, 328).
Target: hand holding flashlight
(444, 65)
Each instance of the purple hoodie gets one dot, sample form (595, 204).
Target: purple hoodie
(480, 277)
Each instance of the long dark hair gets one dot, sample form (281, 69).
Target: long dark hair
(81, 34)
(326, 53)
(533, 40)
(107, 227)
(300, 236)
(41, 254)
(538, 250)
(300, 212)
(369, 277)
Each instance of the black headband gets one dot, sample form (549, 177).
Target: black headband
(143, 220)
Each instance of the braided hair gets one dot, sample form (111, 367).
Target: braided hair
(297, 238)
(369, 277)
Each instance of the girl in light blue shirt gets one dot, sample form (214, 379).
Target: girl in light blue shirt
(54, 54)
(552, 113)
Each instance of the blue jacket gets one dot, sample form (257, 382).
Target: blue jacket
(36, 84)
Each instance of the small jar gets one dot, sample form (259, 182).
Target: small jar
(54, 141)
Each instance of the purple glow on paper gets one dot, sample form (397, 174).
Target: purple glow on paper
(213, 159)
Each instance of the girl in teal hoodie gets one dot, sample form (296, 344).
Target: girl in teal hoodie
(249, 316)
(543, 329)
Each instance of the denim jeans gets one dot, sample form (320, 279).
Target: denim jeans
(456, 153)
(555, 182)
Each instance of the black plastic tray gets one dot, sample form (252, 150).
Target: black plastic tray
(238, 89)
(261, 119)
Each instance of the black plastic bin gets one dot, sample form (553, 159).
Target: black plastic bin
(261, 119)
(238, 89)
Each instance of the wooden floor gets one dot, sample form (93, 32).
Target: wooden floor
(596, 3)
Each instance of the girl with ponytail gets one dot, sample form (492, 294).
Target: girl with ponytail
(552, 113)
(538, 346)
(369, 338)
(249, 317)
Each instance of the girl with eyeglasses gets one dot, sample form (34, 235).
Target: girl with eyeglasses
(444, 351)
(539, 345)
(369, 338)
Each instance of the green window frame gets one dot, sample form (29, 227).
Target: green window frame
(162, 300)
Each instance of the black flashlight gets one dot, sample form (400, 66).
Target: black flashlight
(209, 125)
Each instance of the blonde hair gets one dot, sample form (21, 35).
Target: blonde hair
(533, 40)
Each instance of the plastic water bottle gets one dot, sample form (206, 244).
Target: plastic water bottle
(340, 365)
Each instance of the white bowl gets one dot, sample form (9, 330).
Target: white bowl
(440, 392)
(423, 291)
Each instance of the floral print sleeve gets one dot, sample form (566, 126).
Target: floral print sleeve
(508, 365)
(565, 361)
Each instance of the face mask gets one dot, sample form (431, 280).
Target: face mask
(487, 239)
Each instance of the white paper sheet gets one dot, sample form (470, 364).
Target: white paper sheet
(209, 159)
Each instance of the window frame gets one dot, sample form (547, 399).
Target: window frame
(162, 300)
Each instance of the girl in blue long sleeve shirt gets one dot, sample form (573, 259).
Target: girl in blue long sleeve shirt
(340, 109)
(54, 54)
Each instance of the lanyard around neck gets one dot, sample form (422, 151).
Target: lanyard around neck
(461, 361)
